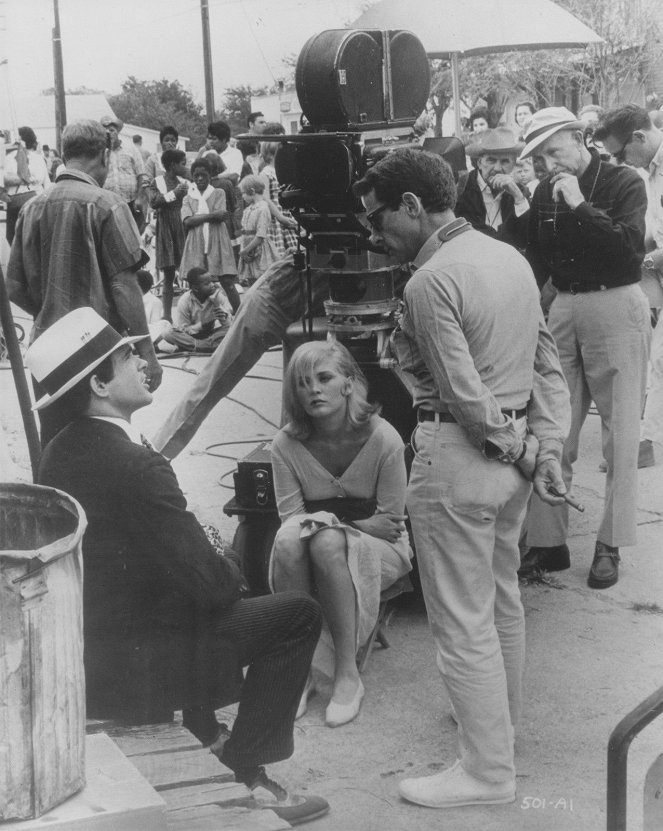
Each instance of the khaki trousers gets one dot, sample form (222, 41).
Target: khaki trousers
(466, 515)
(603, 339)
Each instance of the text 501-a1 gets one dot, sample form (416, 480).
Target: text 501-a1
(560, 803)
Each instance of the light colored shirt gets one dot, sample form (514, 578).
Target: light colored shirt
(654, 215)
(39, 180)
(233, 160)
(493, 203)
(153, 307)
(198, 318)
(126, 172)
(473, 336)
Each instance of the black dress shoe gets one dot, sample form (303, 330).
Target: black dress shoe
(554, 558)
(605, 567)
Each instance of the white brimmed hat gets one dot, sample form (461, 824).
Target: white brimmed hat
(546, 122)
(69, 349)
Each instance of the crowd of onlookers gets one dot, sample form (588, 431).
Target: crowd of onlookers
(217, 217)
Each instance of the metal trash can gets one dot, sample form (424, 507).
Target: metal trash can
(42, 681)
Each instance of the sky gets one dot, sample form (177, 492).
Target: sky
(105, 42)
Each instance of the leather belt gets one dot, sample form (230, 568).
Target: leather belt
(447, 418)
(579, 287)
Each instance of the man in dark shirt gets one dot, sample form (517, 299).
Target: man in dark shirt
(164, 621)
(587, 233)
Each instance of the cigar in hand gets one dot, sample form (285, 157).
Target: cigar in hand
(569, 500)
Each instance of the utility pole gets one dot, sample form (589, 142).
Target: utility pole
(58, 77)
(207, 56)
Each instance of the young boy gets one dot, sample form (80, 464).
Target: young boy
(203, 315)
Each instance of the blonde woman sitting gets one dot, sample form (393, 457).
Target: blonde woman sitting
(340, 482)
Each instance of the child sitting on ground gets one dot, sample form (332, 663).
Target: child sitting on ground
(257, 251)
(207, 244)
(156, 323)
(203, 315)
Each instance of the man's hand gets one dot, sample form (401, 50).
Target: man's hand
(387, 527)
(567, 189)
(505, 183)
(527, 464)
(548, 474)
(153, 370)
(220, 314)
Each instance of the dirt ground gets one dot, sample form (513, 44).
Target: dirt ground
(591, 657)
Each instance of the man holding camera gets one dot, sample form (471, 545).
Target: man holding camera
(77, 245)
(492, 415)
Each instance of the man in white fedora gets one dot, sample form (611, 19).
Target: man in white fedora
(165, 625)
(491, 200)
(587, 234)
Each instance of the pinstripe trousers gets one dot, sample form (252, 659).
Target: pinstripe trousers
(275, 636)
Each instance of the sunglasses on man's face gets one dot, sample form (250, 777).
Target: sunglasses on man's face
(373, 218)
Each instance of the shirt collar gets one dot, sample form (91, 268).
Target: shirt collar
(132, 432)
(441, 235)
(70, 173)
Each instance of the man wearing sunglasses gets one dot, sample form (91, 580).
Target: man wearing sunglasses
(630, 135)
(587, 234)
(492, 413)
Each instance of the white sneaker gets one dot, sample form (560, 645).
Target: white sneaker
(455, 787)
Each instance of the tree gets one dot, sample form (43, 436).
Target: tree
(155, 104)
(607, 72)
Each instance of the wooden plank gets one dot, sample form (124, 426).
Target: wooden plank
(170, 769)
(153, 738)
(211, 818)
(225, 794)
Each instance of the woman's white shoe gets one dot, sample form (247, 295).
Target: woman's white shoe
(338, 714)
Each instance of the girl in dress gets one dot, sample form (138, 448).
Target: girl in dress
(339, 477)
(167, 192)
(257, 251)
(207, 244)
(282, 228)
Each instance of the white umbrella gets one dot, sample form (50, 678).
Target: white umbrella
(453, 28)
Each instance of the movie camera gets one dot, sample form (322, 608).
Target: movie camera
(361, 92)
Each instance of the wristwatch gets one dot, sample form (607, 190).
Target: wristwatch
(648, 263)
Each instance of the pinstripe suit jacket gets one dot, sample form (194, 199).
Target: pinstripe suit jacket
(152, 581)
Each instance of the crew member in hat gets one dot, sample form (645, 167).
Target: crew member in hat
(587, 233)
(126, 172)
(492, 201)
(161, 607)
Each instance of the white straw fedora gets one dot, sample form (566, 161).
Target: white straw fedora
(546, 122)
(69, 349)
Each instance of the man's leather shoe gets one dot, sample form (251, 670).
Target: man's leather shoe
(605, 567)
(537, 559)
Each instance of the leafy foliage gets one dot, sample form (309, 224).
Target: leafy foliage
(607, 72)
(154, 104)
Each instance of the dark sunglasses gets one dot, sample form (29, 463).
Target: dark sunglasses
(376, 212)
